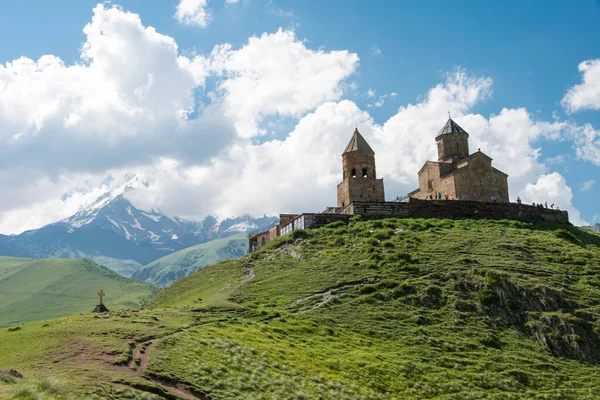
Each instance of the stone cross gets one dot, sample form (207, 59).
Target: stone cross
(101, 294)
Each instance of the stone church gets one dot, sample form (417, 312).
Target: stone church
(359, 176)
(457, 174)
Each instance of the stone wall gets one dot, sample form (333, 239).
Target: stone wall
(388, 208)
(452, 146)
(360, 189)
(431, 182)
(358, 160)
(457, 209)
(478, 180)
(284, 219)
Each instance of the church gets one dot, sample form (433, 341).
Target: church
(359, 175)
(455, 175)
(458, 174)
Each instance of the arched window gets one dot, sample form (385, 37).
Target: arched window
(364, 172)
(264, 241)
(456, 146)
(353, 173)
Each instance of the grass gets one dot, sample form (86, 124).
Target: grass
(378, 309)
(168, 269)
(33, 290)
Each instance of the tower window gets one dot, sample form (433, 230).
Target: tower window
(353, 173)
(364, 172)
(456, 146)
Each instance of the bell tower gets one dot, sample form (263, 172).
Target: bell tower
(360, 181)
(452, 143)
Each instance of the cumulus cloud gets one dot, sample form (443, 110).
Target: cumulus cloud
(587, 143)
(587, 94)
(109, 110)
(553, 190)
(300, 173)
(67, 127)
(276, 74)
(194, 12)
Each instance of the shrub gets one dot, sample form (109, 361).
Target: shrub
(336, 224)
(300, 234)
(384, 234)
(388, 244)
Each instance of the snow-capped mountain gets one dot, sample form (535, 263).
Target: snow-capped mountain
(115, 233)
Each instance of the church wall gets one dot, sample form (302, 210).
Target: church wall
(430, 181)
(457, 209)
(479, 181)
(453, 146)
(358, 160)
(360, 189)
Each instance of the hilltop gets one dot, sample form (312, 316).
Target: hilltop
(378, 309)
(182, 263)
(32, 290)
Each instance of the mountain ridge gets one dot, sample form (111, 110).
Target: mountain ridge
(32, 289)
(166, 270)
(113, 231)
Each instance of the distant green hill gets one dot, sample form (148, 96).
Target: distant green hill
(182, 263)
(32, 290)
(378, 310)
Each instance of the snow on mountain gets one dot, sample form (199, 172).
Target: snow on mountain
(243, 226)
(113, 230)
(113, 212)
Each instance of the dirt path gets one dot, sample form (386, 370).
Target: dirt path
(317, 299)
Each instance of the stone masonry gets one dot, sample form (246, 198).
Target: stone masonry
(457, 174)
(359, 174)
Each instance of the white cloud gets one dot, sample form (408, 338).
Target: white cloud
(301, 172)
(587, 143)
(553, 190)
(276, 74)
(376, 51)
(110, 110)
(587, 94)
(194, 12)
(381, 100)
(559, 159)
(67, 124)
(588, 185)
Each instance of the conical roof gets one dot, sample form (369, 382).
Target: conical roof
(357, 142)
(451, 127)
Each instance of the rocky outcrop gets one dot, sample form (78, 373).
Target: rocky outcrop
(100, 308)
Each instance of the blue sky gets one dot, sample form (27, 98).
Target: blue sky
(531, 52)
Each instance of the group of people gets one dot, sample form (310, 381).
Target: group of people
(539, 205)
(493, 199)
(439, 196)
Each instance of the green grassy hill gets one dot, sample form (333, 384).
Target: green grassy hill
(32, 290)
(182, 263)
(379, 309)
